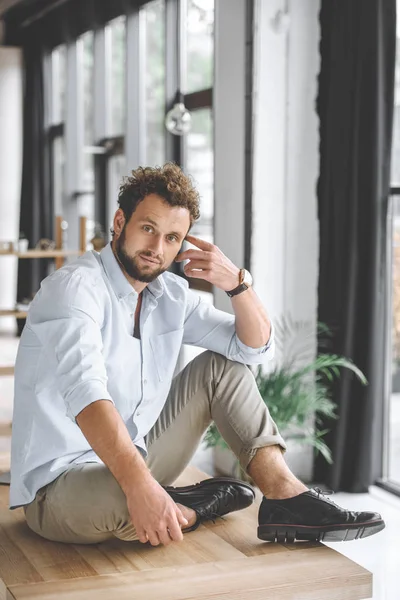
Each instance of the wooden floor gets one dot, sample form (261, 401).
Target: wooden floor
(218, 561)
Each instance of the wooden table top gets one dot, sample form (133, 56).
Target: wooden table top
(224, 560)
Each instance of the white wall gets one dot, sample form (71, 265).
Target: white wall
(10, 170)
(285, 242)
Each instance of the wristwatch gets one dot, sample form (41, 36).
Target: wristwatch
(245, 281)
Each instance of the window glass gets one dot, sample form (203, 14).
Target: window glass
(87, 41)
(392, 425)
(200, 45)
(116, 170)
(58, 174)
(200, 165)
(393, 441)
(58, 81)
(153, 69)
(395, 175)
(117, 29)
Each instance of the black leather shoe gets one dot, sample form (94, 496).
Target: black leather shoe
(309, 516)
(213, 498)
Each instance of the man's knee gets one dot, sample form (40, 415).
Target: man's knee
(211, 359)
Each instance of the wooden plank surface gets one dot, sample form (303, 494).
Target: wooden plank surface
(221, 560)
(313, 574)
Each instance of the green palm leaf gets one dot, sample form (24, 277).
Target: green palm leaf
(298, 393)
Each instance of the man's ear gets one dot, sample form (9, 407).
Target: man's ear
(119, 221)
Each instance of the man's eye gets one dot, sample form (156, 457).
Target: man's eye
(147, 228)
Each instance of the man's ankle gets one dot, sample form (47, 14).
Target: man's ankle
(284, 488)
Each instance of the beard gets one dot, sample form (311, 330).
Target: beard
(131, 263)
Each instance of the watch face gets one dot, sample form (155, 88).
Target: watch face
(248, 280)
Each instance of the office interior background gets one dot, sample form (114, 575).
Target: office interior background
(294, 145)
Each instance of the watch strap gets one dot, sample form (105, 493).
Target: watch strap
(238, 290)
(241, 287)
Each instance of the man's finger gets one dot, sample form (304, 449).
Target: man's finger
(142, 535)
(203, 274)
(198, 264)
(164, 536)
(191, 253)
(198, 242)
(175, 531)
(153, 538)
(181, 519)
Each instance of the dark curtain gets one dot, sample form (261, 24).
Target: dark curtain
(355, 106)
(36, 217)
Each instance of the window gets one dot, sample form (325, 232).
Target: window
(198, 144)
(58, 84)
(92, 92)
(58, 173)
(87, 52)
(117, 29)
(56, 118)
(200, 45)
(200, 163)
(391, 466)
(153, 69)
(393, 414)
(86, 200)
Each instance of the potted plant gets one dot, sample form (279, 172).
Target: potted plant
(297, 392)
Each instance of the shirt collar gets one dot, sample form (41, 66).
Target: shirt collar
(119, 282)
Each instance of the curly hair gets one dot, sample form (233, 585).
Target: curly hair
(167, 181)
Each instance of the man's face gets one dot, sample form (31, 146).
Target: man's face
(148, 244)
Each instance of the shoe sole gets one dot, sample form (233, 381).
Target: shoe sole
(212, 481)
(288, 534)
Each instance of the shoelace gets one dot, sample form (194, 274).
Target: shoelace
(326, 493)
(350, 513)
(218, 496)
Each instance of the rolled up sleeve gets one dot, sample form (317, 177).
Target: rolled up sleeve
(255, 356)
(68, 325)
(213, 329)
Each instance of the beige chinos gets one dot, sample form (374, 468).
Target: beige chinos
(86, 504)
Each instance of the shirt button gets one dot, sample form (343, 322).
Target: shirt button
(144, 381)
(119, 296)
(138, 414)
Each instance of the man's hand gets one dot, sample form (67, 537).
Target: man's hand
(209, 263)
(155, 516)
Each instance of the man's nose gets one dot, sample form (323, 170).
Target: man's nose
(156, 245)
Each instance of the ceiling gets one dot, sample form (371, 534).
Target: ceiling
(6, 4)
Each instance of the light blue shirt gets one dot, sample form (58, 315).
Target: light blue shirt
(78, 347)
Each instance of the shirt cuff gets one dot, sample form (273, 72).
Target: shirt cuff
(84, 394)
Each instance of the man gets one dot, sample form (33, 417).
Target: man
(101, 427)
